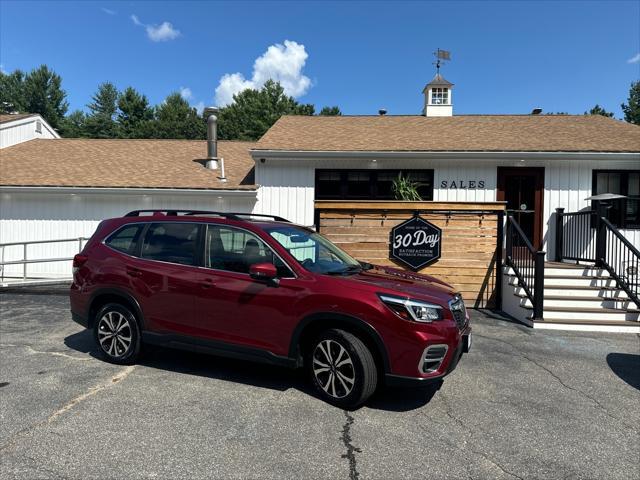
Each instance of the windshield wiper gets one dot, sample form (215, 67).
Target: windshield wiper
(349, 269)
(366, 265)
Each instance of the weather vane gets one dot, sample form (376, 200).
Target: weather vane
(441, 56)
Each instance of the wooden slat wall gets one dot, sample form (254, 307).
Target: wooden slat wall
(469, 239)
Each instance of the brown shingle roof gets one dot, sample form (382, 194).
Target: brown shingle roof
(124, 163)
(505, 133)
(6, 117)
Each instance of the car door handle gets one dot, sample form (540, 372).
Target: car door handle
(207, 283)
(133, 272)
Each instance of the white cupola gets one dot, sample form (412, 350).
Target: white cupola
(437, 97)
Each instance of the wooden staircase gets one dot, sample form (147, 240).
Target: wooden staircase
(576, 297)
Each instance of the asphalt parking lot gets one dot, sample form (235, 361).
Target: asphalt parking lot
(522, 404)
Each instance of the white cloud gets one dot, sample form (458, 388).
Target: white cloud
(185, 92)
(281, 62)
(199, 107)
(158, 33)
(134, 19)
(2, 69)
(634, 59)
(108, 11)
(162, 32)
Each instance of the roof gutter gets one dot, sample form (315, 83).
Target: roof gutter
(128, 191)
(455, 155)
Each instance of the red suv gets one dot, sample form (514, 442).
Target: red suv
(261, 288)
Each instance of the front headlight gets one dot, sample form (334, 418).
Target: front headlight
(415, 310)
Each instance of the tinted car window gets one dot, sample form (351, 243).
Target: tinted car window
(171, 242)
(235, 250)
(124, 240)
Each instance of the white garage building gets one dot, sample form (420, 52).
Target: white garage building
(62, 189)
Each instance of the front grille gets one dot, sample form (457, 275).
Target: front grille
(459, 311)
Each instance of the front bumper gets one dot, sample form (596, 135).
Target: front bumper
(392, 380)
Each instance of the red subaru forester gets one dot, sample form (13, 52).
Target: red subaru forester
(261, 288)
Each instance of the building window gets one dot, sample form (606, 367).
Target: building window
(38, 126)
(368, 184)
(440, 96)
(625, 212)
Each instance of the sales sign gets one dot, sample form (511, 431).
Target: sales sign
(415, 243)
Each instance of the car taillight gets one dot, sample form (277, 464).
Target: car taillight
(78, 261)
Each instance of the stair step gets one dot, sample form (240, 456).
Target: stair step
(576, 272)
(620, 326)
(594, 302)
(571, 280)
(604, 293)
(589, 314)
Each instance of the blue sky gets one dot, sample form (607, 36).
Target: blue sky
(507, 57)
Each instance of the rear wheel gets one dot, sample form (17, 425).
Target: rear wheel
(117, 334)
(342, 368)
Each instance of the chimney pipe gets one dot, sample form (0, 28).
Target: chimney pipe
(212, 137)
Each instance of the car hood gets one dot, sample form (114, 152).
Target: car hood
(403, 283)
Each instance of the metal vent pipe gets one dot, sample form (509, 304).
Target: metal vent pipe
(212, 137)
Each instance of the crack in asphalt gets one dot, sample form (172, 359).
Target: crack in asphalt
(57, 354)
(466, 451)
(351, 449)
(559, 380)
(471, 431)
(69, 405)
(92, 391)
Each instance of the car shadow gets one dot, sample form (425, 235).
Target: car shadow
(626, 366)
(250, 373)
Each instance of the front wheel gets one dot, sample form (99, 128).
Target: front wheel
(342, 368)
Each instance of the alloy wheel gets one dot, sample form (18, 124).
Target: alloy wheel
(114, 334)
(333, 368)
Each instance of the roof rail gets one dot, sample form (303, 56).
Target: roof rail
(228, 215)
(261, 215)
(175, 213)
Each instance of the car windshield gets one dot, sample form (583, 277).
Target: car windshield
(313, 251)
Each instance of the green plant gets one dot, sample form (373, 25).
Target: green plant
(405, 189)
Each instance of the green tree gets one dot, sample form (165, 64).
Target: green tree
(12, 97)
(134, 115)
(253, 112)
(175, 118)
(631, 110)
(330, 111)
(74, 125)
(43, 94)
(101, 123)
(598, 110)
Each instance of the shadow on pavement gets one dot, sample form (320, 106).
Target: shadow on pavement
(249, 373)
(626, 366)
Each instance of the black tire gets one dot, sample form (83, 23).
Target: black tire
(322, 369)
(113, 349)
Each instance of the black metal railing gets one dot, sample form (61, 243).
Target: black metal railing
(575, 236)
(528, 265)
(619, 257)
(589, 236)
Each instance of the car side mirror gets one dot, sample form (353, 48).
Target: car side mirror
(263, 271)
